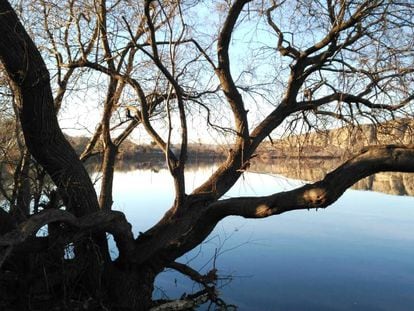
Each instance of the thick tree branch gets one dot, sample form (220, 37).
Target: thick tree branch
(228, 173)
(350, 98)
(340, 25)
(322, 193)
(113, 222)
(224, 73)
(43, 136)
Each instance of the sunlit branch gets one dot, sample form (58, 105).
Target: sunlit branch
(91, 144)
(349, 98)
(338, 116)
(322, 193)
(226, 80)
(126, 132)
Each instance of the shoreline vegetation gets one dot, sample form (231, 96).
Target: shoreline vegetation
(340, 143)
(306, 157)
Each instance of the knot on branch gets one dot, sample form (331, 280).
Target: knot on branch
(315, 197)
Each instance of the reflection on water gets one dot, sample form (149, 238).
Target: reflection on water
(157, 164)
(355, 255)
(308, 169)
(313, 169)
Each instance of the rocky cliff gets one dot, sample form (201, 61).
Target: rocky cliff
(341, 142)
(310, 156)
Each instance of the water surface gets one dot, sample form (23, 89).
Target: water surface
(355, 255)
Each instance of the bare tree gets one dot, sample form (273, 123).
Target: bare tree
(336, 60)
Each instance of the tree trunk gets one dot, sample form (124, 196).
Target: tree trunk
(41, 130)
(131, 289)
(108, 163)
(45, 140)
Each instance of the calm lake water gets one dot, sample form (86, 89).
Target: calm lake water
(357, 254)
